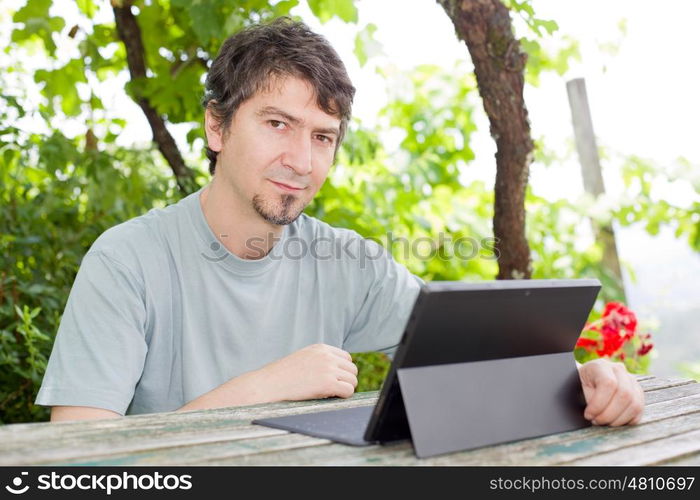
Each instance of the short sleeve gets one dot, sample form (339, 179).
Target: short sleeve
(389, 292)
(100, 347)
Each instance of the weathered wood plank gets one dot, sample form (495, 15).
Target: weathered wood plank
(526, 452)
(650, 453)
(17, 430)
(547, 450)
(225, 436)
(397, 453)
(669, 393)
(202, 453)
(58, 451)
(672, 407)
(172, 431)
(523, 452)
(170, 422)
(658, 383)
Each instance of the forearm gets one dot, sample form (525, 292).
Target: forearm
(71, 413)
(246, 389)
(314, 372)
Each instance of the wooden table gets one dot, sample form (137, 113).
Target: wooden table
(669, 434)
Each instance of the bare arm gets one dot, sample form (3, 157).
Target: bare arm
(70, 413)
(314, 372)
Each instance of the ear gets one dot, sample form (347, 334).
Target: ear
(213, 130)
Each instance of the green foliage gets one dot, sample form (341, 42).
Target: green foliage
(327, 9)
(644, 205)
(57, 197)
(38, 25)
(179, 37)
(366, 46)
(553, 231)
(372, 368)
(541, 33)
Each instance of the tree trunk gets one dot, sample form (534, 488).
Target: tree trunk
(485, 26)
(130, 34)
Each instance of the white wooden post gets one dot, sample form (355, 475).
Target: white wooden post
(590, 169)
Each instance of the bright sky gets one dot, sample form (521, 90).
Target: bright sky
(644, 101)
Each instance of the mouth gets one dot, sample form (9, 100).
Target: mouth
(287, 188)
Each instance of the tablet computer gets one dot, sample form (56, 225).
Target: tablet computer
(477, 364)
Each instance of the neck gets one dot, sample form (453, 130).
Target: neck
(239, 228)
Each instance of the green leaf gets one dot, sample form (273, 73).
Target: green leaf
(549, 26)
(96, 102)
(324, 10)
(206, 22)
(87, 7)
(282, 8)
(366, 46)
(31, 10)
(103, 34)
(61, 83)
(37, 24)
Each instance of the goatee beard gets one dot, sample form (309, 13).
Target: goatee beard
(280, 216)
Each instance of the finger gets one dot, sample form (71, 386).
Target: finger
(347, 377)
(344, 355)
(348, 366)
(628, 414)
(345, 389)
(636, 405)
(642, 399)
(337, 351)
(624, 396)
(601, 388)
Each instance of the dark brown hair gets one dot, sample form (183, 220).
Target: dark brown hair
(250, 59)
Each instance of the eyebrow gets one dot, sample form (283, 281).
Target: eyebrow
(271, 110)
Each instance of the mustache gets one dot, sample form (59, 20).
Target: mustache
(294, 181)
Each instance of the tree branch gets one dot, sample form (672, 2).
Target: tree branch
(130, 34)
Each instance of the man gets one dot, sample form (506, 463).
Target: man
(233, 296)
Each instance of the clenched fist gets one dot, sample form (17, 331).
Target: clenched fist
(314, 372)
(613, 395)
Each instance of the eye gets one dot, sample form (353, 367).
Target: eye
(276, 124)
(324, 138)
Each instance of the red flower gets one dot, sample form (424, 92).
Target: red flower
(616, 328)
(592, 326)
(620, 316)
(586, 343)
(611, 346)
(613, 307)
(644, 349)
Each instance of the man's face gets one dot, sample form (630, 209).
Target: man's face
(277, 152)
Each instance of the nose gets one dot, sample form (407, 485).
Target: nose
(298, 154)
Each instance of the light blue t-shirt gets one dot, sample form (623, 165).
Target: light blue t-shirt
(160, 312)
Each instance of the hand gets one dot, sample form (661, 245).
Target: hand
(613, 396)
(314, 372)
